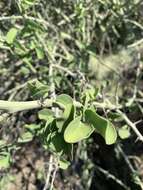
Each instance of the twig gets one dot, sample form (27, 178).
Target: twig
(49, 173)
(131, 124)
(137, 179)
(111, 176)
(19, 17)
(137, 43)
(134, 22)
(14, 106)
(106, 105)
(64, 69)
(53, 97)
(54, 176)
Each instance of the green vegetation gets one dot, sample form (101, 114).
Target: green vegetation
(71, 91)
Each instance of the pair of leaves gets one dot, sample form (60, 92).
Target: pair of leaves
(77, 130)
(103, 126)
(74, 129)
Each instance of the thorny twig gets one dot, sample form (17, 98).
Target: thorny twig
(111, 176)
(136, 177)
(131, 124)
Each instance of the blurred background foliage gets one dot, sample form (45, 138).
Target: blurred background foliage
(89, 43)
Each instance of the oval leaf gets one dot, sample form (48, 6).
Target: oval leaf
(104, 127)
(4, 161)
(63, 100)
(45, 114)
(11, 35)
(63, 164)
(77, 131)
(26, 137)
(124, 132)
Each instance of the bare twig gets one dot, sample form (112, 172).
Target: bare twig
(25, 17)
(49, 173)
(54, 176)
(111, 176)
(134, 23)
(53, 97)
(13, 106)
(136, 178)
(64, 69)
(137, 43)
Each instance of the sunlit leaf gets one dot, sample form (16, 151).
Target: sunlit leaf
(11, 35)
(64, 100)
(63, 164)
(25, 137)
(77, 131)
(4, 161)
(39, 52)
(45, 114)
(32, 126)
(124, 132)
(104, 127)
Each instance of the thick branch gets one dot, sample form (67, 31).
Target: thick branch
(12, 106)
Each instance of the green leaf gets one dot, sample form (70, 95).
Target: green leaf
(38, 89)
(91, 93)
(66, 117)
(64, 164)
(77, 131)
(46, 114)
(124, 132)
(64, 100)
(39, 52)
(58, 144)
(11, 35)
(24, 70)
(4, 161)
(27, 3)
(26, 137)
(104, 127)
(32, 127)
(28, 61)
